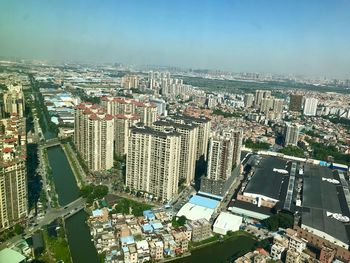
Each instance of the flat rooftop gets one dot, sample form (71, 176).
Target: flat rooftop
(265, 181)
(321, 196)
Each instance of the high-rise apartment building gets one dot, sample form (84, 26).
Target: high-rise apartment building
(122, 124)
(266, 105)
(296, 102)
(130, 82)
(310, 106)
(220, 157)
(147, 111)
(291, 134)
(13, 173)
(188, 144)
(237, 137)
(278, 106)
(259, 95)
(94, 136)
(203, 132)
(153, 161)
(14, 101)
(248, 100)
(223, 162)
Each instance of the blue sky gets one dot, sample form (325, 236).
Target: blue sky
(303, 37)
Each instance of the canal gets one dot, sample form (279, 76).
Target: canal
(227, 251)
(78, 233)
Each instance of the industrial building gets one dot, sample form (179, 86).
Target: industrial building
(270, 186)
(227, 222)
(199, 207)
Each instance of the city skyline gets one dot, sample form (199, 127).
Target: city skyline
(308, 38)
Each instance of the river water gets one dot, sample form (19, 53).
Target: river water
(78, 233)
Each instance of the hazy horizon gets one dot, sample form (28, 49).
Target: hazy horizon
(289, 37)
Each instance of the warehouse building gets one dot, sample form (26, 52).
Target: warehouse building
(227, 222)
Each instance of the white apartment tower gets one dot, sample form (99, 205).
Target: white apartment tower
(94, 136)
(310, 106)
(153, 161)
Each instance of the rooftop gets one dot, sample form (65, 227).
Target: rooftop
(203, 201)
(267, 182)
(321, 196)
(11, 256)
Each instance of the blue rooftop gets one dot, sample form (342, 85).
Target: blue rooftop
(203, 201)
(157, 226)
(97, 212)
(148, 214)
(128, 240)
(147, 228)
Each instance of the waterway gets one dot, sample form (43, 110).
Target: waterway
(227, 251)
(78, 233)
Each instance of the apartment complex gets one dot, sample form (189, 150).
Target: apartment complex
(188, 144)
(130, 82)
(122, 125)
(153, 160)
(94, 136)
(14, 100)
(202, 135)
(13, 172)
(119, 105)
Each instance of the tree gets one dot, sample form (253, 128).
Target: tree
(18, 229)
(181, 221)
(282, 219)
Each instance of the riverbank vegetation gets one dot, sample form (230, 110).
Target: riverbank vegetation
(56, 246)
(219, 238)
(73, 164)
(92, 192)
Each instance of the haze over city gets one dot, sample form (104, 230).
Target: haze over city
(182, 131)
(297, 37)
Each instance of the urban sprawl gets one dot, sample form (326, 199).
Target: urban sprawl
(164, 164)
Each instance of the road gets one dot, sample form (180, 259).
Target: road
(50, 216)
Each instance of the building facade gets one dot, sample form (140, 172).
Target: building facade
(188, 146)
(13, 172)
(153, 161)
(296, 103)
(14, 101)
(94, 136)
(291, 134)
(310, 106)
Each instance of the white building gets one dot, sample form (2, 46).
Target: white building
(310, 106)
(276, 251)
(227, 222)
